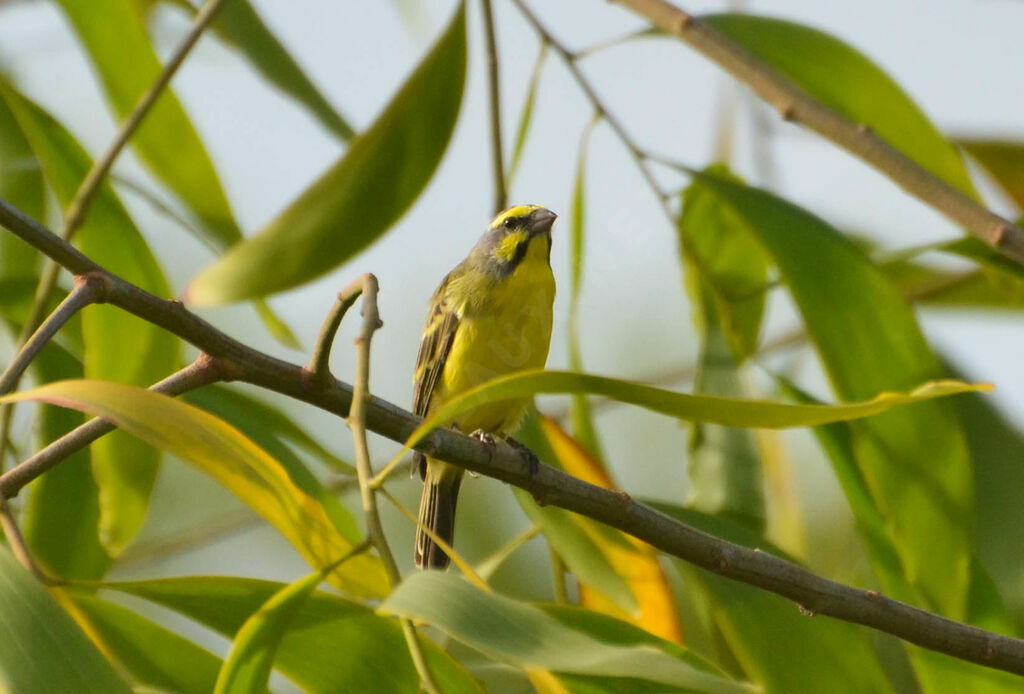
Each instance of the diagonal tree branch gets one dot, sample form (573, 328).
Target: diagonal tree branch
(813, 593)
(794, 104)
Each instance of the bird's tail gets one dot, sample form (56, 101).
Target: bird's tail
(437, 512)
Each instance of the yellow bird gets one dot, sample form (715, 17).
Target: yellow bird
(490, 316)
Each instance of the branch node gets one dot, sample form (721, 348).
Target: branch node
(788, 111)
(997, 237)
(623, 497)
(863, 129)
(720, 563)
(95, 283)
(872, 594)
(683, 21)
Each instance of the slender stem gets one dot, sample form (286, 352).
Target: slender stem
(514, 466)
(367, 285)
(19, 547)
(88, 289)
(494, 94)
(319, 364)
(491, 564)
(202, 372)
(558, 585)
(796, 105)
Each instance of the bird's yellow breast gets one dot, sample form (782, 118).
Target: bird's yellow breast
(503, 328)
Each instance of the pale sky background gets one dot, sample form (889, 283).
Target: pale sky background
(958, 59)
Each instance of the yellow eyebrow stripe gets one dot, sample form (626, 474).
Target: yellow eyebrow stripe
(517, 211)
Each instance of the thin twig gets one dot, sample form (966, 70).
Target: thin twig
(357, 423)
(90, 185)
(88, 289)
(512, 465)
(319, 364)
(202, 372)
(494, 94)
(571, 60)
(19, 547)
(797, 106)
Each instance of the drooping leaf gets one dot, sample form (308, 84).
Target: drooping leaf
(332, 644)
(528, 636)
(238, 24)
(119, 346)
(266, 425)
(295, 505)
(913, 459)
(151, 654)
(843, 78)
(636, 563)
(777, 646)
(44, 652)
(356, 200)
(698, 408)
(114, 36)
(1003, 160)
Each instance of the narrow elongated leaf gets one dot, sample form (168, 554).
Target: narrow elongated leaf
(44, 652)
(913, 459)
(635, 562)
(778, 646)
(151, 654)
(842, 77)
(240, 25)
(114, 36)
(526, 113)
(1003, 160)
(935, 672)
(295, 506)
(697, 408)
(332, 645)
(247, 667)
(361, 195)
(527, 637)
(265, 424)
(119, 346)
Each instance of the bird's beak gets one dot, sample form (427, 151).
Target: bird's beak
(541, 221)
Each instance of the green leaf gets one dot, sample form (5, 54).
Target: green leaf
(355, 201)
(777, 645)
(526, 113)
(333, 645)
(44, 651)
(914, 459)
(723, 260)
(582, 419)
(266, 425)
(528, 637)
(293, 505)
(238, 24)
(1003, 160)
(844, 79)
(114, 36)
(119, 346)
(697, 408)
(21, 183)
(247, 667)
(151, 654)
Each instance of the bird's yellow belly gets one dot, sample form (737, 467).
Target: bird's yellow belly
(510, 334)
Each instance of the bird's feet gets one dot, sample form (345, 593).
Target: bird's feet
(487, 439)
(531, 458)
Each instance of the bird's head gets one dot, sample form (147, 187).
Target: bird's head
(518, 233)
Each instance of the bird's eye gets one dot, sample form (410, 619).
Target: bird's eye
(510, 222)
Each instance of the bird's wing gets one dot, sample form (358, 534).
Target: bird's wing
(438, 336)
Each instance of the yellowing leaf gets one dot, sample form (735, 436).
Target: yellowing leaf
(294, 506)
(635, 561)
